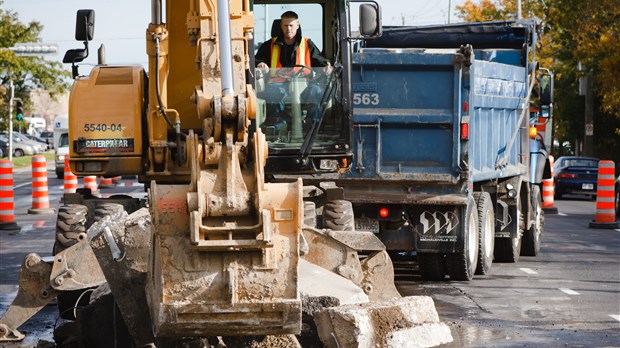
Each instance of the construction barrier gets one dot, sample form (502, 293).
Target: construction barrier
(605, 216)
(90, 182)
(40, 195)
(70, 180)
(105, 182)
(7, 200)
(548, 192)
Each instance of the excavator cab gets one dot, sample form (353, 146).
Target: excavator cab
(304, 110)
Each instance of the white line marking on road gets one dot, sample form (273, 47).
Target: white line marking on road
(617, 230)
(528, 271)
(562, 214)
(22, 185)
(615, 316)
(569, 291)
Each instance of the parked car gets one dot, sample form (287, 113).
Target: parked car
(21, 138)
(39, 140)
(575, 175)
(618, 197)
(4, 148)
(20, 148)
(48, 136)
(38, 147)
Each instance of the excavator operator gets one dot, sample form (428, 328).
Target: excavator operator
(289, 49)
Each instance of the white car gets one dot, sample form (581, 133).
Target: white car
(61, 150)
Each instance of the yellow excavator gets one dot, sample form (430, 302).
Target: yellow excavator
(217, 248)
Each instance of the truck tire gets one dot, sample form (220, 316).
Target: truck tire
(509, 249)
(462, 264)
(531, 238)
(486, 231)
(338, 216)
(310, 214)
(432, 266)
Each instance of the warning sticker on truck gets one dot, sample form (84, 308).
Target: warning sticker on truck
(438, 226)
(84, 146)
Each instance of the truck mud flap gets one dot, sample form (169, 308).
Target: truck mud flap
(438, 228)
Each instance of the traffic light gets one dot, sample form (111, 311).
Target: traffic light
(19, 110)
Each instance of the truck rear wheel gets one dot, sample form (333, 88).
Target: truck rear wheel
(509, 249)
(338, 216)
(462, 265)
(486, 231)
(531, 237)
(432, 266)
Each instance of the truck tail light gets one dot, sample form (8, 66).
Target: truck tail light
(533, 132)
(464, 131)
(384, 212)
(466, 107)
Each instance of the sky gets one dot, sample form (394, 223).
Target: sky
(120, 24)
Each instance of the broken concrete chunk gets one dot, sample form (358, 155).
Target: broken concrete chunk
(412, 320)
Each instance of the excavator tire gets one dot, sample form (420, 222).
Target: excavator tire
(338, 216)
(70, 224)
(112, 210)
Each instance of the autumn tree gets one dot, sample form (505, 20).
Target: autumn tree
(27, 73)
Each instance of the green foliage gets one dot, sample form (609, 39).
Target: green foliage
(26, 161)
(27, 73)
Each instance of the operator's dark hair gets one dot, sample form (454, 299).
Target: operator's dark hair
(289, 14)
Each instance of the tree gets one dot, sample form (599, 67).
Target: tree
(27, 73)
(575, 31)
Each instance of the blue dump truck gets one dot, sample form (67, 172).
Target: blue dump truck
(445, 169)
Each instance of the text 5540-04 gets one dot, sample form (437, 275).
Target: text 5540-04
(102, 127)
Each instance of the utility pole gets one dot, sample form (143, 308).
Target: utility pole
(519, 15)
(10, 130)
(588, 143)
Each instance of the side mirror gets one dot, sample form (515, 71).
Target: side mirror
(370, 20)
(75, 55)
(546, 89)
(84, 30)
(85, 25)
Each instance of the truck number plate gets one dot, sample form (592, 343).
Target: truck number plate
(365, 224)
(587, 186)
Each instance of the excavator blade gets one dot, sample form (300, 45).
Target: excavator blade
(355, 255)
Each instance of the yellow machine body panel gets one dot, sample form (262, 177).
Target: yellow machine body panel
(105, 121)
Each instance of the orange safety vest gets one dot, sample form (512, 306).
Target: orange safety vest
(302, 58)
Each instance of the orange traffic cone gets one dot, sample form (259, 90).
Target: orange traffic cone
(7, 200)
(40, 196)
(90, 182)
(548, 192)
(105, 182)
(605, 197)
(70, 180)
